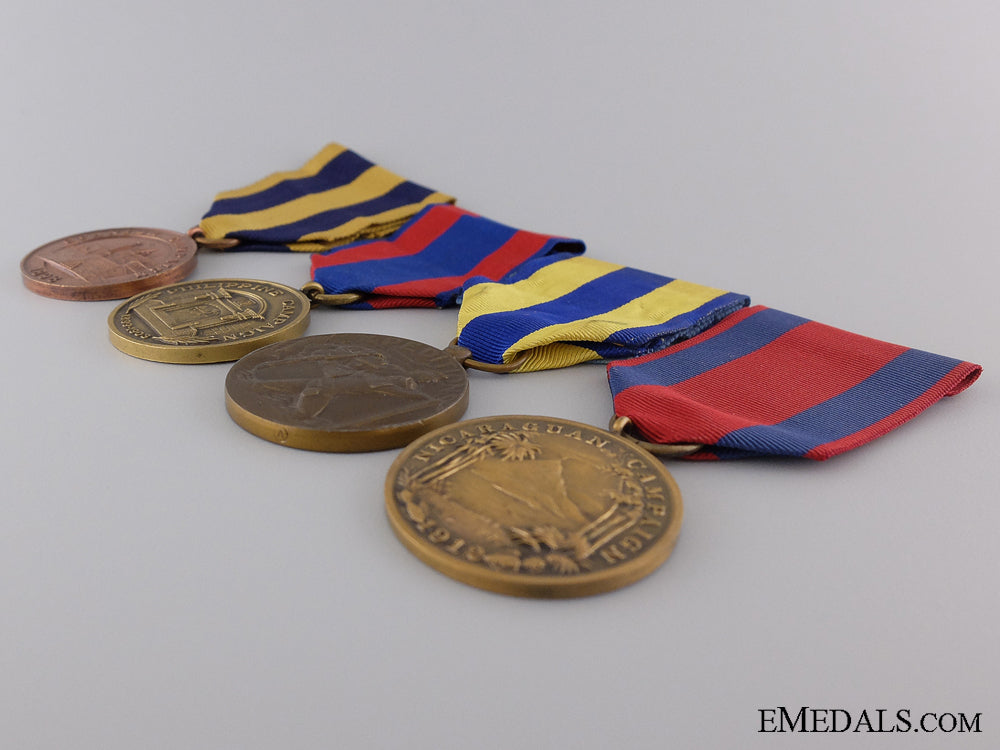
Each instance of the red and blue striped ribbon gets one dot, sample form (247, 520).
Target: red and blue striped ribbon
(764, 382)
(426, 262)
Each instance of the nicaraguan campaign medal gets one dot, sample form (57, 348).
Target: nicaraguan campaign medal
(211, 320)
(109, 263)
(533, 506)
(346, 392)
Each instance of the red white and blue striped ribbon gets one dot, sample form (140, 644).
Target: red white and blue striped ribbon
(764, 382)
(426, 262)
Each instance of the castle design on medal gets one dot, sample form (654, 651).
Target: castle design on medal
(203, 316)
(215, 320)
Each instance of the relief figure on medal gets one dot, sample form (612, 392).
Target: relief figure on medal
(531, 508)
(349, 385)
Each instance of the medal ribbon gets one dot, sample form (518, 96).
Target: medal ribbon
(579, 309)
(426, 263)
(337, 197)
(764, 382)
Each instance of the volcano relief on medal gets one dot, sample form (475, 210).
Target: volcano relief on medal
(533, 506)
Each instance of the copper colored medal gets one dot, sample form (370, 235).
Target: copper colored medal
(533, 506)
(109, 264)
(211, 320)
(346, 392)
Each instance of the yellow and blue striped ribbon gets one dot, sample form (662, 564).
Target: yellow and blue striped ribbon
(337, 197)
(580, 309)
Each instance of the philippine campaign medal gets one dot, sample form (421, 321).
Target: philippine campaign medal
(346, 392)
(210, 320)
(533, 506)
(109, 263)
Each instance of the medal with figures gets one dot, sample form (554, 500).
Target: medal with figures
(346, 392)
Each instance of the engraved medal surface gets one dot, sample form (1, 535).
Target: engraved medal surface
(346, 392)
(533, 506)
(109, 264)
(212, 320)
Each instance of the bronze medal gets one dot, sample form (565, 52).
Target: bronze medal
(346, 392)
(109, 264)
(213, 320)
(533, 506)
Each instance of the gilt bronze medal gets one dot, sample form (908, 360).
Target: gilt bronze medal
(212, 320)
(533, 506)
(109, 263)
(346, 392)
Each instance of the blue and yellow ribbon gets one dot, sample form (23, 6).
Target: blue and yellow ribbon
(337, 197)
(581, 309)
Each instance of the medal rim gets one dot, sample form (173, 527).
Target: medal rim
(535, 586)
(348, 440)
(118, 289)
(214, 352)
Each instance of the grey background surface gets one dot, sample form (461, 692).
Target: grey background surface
(168, 580)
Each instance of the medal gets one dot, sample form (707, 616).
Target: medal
(213, 320)
(530, 506)
(349, 393)
(343, 393)
(346, 392)
(533, 506)
(337, 197)
(330, 207)
(108, 264)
